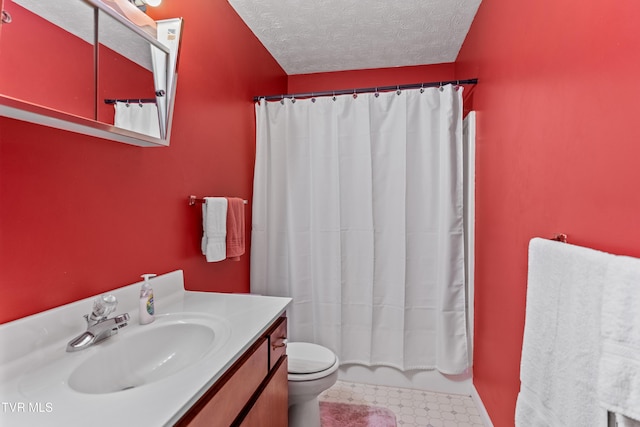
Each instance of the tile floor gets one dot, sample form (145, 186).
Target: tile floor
(413, 408)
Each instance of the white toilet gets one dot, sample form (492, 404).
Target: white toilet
(312, 369)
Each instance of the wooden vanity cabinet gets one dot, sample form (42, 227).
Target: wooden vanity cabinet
(253, 392)
(271, 407)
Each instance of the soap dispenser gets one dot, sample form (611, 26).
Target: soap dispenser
(146, 301)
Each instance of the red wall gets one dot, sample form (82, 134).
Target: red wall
(557, 151)
(81, 215)
(302, 83)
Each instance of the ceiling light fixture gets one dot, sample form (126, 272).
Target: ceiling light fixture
(142, 4)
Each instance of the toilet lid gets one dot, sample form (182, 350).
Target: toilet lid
(307, 358)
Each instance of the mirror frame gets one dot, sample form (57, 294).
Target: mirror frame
(26, 111)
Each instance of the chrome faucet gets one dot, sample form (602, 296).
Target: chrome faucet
(99, 326)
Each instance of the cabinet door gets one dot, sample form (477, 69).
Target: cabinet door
(222, 404)
(271, 407)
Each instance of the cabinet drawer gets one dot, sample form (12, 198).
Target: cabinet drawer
(277, 341)
(236, 389)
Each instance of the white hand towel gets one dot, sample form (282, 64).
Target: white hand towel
(560, 352)
(619, 368)
(214, 225)
(141, 118)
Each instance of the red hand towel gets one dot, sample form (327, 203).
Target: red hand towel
(235, 228)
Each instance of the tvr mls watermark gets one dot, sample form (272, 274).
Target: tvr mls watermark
(27, 407)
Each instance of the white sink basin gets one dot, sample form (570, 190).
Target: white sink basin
(149, 353)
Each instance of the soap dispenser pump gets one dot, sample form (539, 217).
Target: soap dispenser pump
(147, 311)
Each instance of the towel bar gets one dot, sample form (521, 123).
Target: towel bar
(193, 200)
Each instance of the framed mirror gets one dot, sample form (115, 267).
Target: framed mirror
(127, 89)
(98, 67)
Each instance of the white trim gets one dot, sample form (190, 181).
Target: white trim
(484, 415)
(32, 113)
(469, 156)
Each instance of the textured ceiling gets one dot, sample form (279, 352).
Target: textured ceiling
(311, 36)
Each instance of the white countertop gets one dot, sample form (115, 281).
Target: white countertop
(35, 366)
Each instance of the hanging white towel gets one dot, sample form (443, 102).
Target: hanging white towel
(619, 368)
(214, 224)
(137, 117)
(560, 352)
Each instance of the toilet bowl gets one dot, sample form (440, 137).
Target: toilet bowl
(312, 369)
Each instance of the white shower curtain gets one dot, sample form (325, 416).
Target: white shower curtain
(357, 215)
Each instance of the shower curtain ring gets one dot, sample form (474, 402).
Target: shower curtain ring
(398, 90)
(6, 18)
(376, 94)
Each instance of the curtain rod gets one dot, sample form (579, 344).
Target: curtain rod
(136, 100)
(366, 90)
(131, 101)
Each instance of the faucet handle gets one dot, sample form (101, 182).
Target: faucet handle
(121, 320)
(103, 306)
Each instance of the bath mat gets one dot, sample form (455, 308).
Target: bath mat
(333, 414)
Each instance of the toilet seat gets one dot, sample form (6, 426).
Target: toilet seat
(309, 361)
